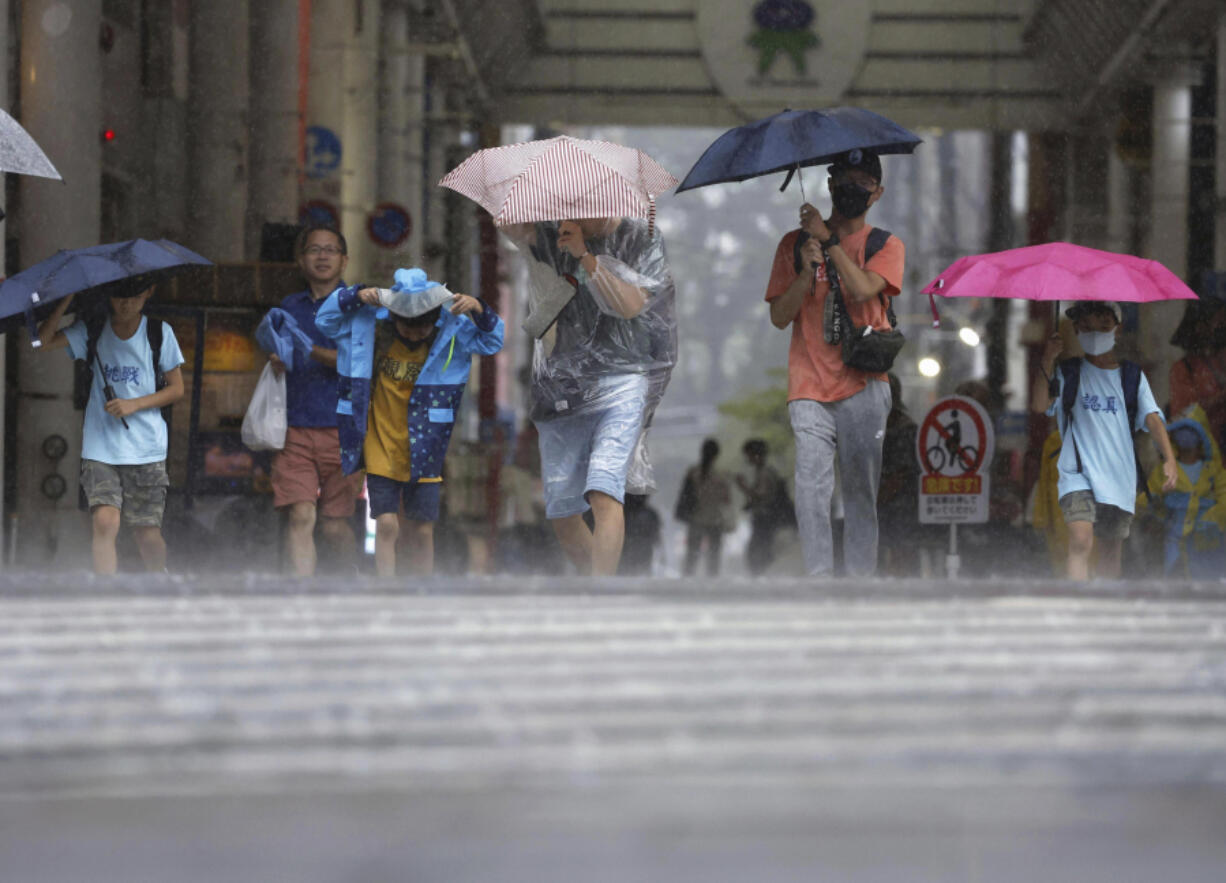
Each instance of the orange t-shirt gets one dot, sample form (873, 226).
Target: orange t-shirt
(815, 368)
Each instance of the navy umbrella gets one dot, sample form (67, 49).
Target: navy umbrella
(796, 139)
(102, 270)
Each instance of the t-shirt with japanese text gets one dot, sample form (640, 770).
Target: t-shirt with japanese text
(1102, 436)
(127, 365)
(815, 368)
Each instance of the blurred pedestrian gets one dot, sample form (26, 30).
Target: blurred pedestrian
(1194, 511)
(643, 532)
(1099, 402)
(836, 411)
(405, 355)
(603, 315)
(124, 436)
(707, 495)
(770, 508)
(898, 495)
(307, 480)
(1199, 378)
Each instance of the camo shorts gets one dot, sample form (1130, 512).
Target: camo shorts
(137, 491)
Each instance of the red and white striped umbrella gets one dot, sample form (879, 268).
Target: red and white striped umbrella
(560, 179)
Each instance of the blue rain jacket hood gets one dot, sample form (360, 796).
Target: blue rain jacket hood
(279, 333)
(439, 388)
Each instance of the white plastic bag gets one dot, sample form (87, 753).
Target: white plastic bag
(265, 421)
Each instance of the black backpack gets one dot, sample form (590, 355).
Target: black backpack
(84, 380)
(1130, 379)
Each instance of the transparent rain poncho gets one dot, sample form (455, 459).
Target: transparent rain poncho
(620, 320)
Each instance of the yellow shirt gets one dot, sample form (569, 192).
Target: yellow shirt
(396, 369)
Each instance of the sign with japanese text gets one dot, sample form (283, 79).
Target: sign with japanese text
(954, 445)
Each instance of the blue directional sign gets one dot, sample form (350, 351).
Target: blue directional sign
(323, 152)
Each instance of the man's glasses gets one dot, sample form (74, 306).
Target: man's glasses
(314, 250)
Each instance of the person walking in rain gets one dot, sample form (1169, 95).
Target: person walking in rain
(706, 494)
(124, 437)
(769, 506)
(307, 479)
(836, 410)
(404, 355)
(603, 315)
(1107, 400)
(1194, 513)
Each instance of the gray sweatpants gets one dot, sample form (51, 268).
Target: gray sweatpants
(854, 429)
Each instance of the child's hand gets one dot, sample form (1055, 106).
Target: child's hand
(121, 408)
(369, 296)
(465, 303)
(1171, 473)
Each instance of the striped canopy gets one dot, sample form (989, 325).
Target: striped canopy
(560, 179)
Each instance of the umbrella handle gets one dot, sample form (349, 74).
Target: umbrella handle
(108, 391)
(31, 325)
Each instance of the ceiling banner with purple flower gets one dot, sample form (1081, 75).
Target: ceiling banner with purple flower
(774, 54)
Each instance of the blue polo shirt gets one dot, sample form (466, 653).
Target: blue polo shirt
(311, 387)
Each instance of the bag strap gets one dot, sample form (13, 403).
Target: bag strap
(877, 238)
(1130, 377)
(153, 332)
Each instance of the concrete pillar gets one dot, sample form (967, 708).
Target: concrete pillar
(401, 125)
(1172, 126)
(217, 129)
(344, 99)
(1119, 216)
(359, 182)
(273, 192)
(61, 99)
(439, 133)
(1089, 189)
(4, 102)
(1219, 226)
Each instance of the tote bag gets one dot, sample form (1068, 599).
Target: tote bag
(265, 420)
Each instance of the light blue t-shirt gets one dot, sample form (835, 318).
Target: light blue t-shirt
(1100, 429)
(128, 366)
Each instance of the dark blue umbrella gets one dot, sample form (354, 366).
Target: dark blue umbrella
(795, 139)
(102, 270)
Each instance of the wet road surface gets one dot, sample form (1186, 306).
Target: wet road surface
(259, 729)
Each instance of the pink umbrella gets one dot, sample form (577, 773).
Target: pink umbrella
(560, 178)
(1058, 271)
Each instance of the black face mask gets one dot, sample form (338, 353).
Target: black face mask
(850, 200)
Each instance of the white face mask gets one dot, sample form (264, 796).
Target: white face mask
(1095, 343)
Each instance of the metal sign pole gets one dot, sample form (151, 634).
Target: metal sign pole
(952, 562)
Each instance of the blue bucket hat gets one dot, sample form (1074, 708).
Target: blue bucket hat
(412, 294)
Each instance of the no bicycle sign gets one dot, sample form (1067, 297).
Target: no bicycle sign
(954, 445)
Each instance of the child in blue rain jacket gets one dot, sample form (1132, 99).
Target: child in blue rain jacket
(1194, 513)
(404, 356)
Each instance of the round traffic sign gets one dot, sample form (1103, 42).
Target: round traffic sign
(954, 438)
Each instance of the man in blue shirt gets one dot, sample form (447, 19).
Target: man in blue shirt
(1097, 467)
(306, 473)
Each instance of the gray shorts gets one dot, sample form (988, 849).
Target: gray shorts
(139, 492)
(1110, 522)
